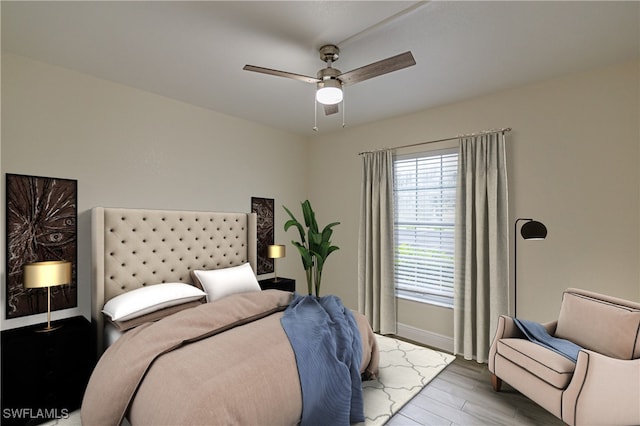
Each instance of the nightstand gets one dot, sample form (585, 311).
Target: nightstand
(286, 284)
(44, 374)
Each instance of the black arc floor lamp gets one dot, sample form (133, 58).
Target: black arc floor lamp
(531, 230)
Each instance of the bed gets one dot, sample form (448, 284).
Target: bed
(191, 340)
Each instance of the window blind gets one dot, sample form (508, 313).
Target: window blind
(425, 197)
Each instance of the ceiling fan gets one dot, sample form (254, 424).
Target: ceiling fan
(329, 80)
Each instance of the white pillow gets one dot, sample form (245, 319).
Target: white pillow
(218, 283)
(148, 299)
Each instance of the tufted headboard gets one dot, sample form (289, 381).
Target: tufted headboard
(133, 248)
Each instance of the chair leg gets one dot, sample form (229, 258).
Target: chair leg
(496, 382)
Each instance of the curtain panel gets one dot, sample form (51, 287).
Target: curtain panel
(481, 278)
(376, 288)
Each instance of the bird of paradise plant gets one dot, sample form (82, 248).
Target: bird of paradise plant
(314, 246)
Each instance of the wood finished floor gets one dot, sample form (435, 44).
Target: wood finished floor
(462, 395)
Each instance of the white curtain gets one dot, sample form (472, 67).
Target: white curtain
(482, 244)
(376, 289)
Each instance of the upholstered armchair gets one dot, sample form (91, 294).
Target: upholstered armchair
(602, 386)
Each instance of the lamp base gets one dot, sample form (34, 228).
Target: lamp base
(48, 328)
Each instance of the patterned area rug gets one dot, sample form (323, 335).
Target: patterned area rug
(404, 370)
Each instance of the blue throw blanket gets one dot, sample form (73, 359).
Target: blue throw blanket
(536, 333)
(326, 341)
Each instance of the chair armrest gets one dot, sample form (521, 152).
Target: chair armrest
(506, 328)
(603, 391)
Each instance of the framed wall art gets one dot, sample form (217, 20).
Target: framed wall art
(41, 224)
(263, 207)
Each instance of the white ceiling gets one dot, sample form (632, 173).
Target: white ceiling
(195, 51)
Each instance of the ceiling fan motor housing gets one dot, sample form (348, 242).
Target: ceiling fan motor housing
(328, 74)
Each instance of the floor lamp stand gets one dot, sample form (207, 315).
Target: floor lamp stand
(515, 264)
(532, 230)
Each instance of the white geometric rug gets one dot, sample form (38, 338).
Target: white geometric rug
(404, 370)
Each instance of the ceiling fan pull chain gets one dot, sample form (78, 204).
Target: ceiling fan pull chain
(315, 115)
(343, 111)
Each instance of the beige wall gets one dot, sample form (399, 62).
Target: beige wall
(131, 148)
(573, 164)
(573, 153)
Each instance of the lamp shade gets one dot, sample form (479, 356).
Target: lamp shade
(46, 274)
(533, 230)
(329, 92)
(276, 251)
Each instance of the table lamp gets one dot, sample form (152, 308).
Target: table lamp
(275, 251)
(47, 274)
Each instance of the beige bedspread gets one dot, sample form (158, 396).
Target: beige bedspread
(227, 362)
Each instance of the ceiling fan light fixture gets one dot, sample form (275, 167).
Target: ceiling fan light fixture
(329, 92)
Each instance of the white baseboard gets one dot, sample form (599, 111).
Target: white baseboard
(435, 340)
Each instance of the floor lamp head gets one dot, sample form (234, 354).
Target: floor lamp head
(533, 230)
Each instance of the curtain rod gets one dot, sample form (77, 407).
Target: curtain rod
(484, 132)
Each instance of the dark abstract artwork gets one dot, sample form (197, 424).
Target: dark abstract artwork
(263, 207)
(41, 225)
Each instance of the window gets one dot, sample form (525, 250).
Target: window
(425, 204)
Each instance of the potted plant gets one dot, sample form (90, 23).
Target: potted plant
(314, 246)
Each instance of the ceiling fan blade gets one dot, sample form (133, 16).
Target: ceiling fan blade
(375, 69)
(331, 109)
(278, 73)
